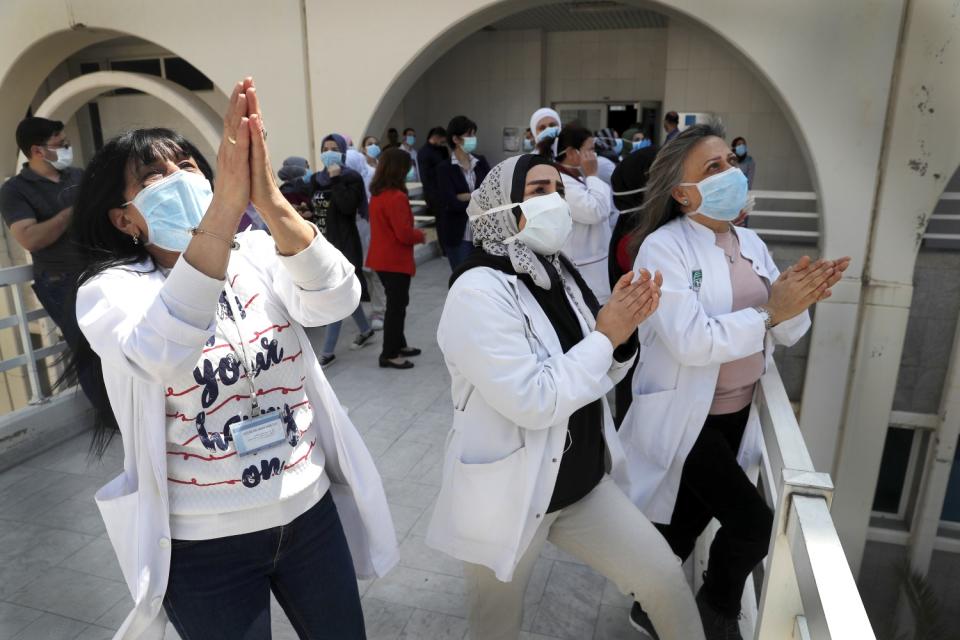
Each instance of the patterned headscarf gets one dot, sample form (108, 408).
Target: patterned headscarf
(504, 185)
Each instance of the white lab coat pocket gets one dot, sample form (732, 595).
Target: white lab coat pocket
(655, 436)
(118, 503)
(487, 505)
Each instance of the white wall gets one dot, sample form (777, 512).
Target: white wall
(703, 74)
(491, 77)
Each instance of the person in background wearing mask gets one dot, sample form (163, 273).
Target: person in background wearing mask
(371, 151)
(590, 201)
(456, 179)
(692, 434)
(295, 184)
(545, 126)
(609, 146)
(238, 458)
(393, 237)
(337, 195)
(671, 124)
(409, 145)
(529, 142)
(431, 155)
(747, 164)
(531, 355)
(37, 206)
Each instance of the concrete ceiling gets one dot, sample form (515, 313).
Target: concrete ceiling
(590, 15)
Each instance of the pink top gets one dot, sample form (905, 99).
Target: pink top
(738, 378)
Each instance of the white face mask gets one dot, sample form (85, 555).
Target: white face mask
(64, 158)
(548, 225)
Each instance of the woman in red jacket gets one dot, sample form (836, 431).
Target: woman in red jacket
(392, 237)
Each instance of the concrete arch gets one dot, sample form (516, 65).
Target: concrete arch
(69, 97)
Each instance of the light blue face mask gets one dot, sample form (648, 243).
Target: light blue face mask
(373, 151)
(722, 196)
(527, 144)
(411, 140)
(643, 144)
(549, 132)
(330, 158)
(411, 175)
(306, 177)
(470, 144)
(618, 146)
(172, 207)
(740, 150)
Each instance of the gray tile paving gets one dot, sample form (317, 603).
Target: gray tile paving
(59, 578)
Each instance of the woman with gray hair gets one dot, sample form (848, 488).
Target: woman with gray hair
(691, 437)
(531, 356)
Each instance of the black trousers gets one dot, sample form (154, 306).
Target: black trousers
(713, 485)
(396, 286)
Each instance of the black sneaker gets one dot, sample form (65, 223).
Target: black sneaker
(716, 624)
(362, 340)
(326, 361)
(640, 621)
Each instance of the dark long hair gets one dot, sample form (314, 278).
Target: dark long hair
(97, 245)
(391, 171)
(666, 172)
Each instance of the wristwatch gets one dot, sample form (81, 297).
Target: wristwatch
(767, 319)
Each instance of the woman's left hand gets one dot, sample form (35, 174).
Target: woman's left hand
(264, 192)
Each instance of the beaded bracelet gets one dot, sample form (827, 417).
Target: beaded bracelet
(233, 243)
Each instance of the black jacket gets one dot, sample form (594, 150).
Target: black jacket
(335, 208)
(629, 175)
(452, 221)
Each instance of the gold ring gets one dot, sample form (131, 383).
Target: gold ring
(231, 140)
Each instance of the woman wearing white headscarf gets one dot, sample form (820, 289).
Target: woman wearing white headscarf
(545, 126)
(531, 356)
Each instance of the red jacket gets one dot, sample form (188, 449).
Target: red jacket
(392, 234)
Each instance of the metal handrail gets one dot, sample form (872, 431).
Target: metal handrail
(807, 584)
(13, 277)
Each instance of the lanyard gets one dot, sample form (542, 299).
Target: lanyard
(242, 353)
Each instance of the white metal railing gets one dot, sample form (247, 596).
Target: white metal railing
(13, 278)
(808, 589)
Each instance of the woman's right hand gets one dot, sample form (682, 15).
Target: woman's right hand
(589, 163)
(799, 287)
(630, 304)
(232, 192)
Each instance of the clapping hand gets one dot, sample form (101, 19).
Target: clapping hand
(632, 302)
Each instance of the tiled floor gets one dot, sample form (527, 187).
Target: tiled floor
(59, 579)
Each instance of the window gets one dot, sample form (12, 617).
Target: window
(893, 470)
(186, 75)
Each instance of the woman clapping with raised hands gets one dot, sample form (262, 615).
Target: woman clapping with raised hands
(238, 458)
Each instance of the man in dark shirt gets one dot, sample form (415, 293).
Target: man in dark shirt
(37, 205)
(432, 154)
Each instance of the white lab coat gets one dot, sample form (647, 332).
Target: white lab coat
(513, 392)
(681, 349)
(128, 316)
(605, 169)
(589, 242)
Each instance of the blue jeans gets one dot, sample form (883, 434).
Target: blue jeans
(458, 253)
(219, 589)
(333, 330)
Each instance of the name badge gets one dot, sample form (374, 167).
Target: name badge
(696, 279)
(256, 434)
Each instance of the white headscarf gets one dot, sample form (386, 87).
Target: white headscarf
(540, 114)
(491, 229)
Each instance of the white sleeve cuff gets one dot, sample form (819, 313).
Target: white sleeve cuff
(191, 296)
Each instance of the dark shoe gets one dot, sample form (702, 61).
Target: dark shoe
(640, 621)
(362, 340)
(389, 364)
(716, 624)
(326, 361)
(409, 352)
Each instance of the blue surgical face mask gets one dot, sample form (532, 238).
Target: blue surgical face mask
(618, 146)
(740, 150)
(306, 177)
(469, 144)
(411, 140)
(172, 207)
(722, 196)
(549, 132)
(373, 150)
(527, 144)
(411, 175)
(331, 158)
(642, 144)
